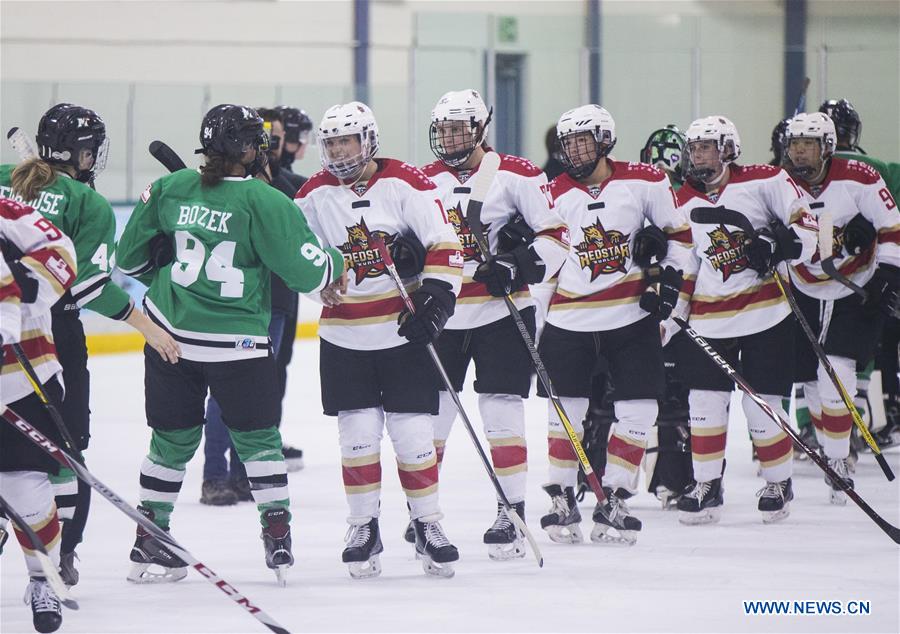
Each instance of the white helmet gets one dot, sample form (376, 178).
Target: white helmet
(354, 118)
(458, 105)
(590, 118)
(725, 135)
(810, 125)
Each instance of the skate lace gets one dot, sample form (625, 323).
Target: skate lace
(771, 490)
(840, 467)
(699, 491)
(42, 597)
(559, 505)
(502, 522)
(357, 536)
(434, 534)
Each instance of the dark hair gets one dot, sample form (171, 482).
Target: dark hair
(216, 168)
(270, 114)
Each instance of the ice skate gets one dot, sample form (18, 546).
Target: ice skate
(277, 543)
(702, 503)
(613, 521)
(433, 547)
(563, 520)
(808, 436)
(503, 538)
(409, 535)
(67, 571)
(363, 547)
(667, 497)
(840, 467)
(46, 609)
(148, 551)
(217, 493)
(774, 500)
(293, 458)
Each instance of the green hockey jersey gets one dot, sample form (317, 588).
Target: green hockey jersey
(87, 218)
(214, 298)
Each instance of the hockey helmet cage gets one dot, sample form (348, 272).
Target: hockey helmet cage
(65, 130)
(580, 161)
(813, 125)
(847, 123)
(723, 133)
(354, 118)
(664, 149)
(454, 148)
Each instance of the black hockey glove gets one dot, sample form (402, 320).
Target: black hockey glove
(773, 244)
(408, 254)
(649, 243)
(859, 235)
(162, 251)
(663, 303)
(513, 234)
(27, 284)
(435, 303)
(506, 273)
(884, 290)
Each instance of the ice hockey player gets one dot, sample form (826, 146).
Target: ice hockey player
(737, 307)
(602, 308)
(58, 183)
(373, 374)
(229, 231)
(515, 209)
(36, 268)
(297, 128)
(867, 252)
(664, 149)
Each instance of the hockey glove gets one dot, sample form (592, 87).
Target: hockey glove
(859, 235)
(506, 273)
(515, 233)
(434, 302)
(162, 251)
(28, 285)
(884, 290)
(649, 243)
(408, 254)
(773, 244)
(663, 303)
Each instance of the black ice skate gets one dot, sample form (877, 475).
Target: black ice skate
(613, 521)
(293, 458)
(46, 609)
(67, 571)
(217, 493)
(409, 535)
(702, 504)
(562, 522)
(842, 468)
(433, 547)
(277, 543)
(363, 547)
(149, 551)
(503, 538)
(774, 500)
(808, 436)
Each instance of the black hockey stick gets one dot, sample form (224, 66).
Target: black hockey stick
(892, 531)
(167, 156)
(43, 557)
(826, 255)
(829, 369)
(483, 178)
(716, 215)
(510, 511)
(67, 461)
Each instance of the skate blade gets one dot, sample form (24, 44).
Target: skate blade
(365, 569)
(141, 573)
(570, 534)
(603, 534)
(295, 464)
(505, 552)
(706, 516)
(281, 574)
(770, 517)
(435, 569)
(838, 498)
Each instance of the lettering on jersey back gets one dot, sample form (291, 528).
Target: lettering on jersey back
(726, 251)
(603, 252)
(471, 252)
(204, 217)
(359, 253)
(47, 203)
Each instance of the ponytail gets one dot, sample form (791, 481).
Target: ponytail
(30, 177)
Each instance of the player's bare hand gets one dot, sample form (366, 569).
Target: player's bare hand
(332, 295)
(162, 342)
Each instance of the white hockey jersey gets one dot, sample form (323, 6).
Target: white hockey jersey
(49, 257)
(729, 299)
(398, 198)
(517, 188)
(599, 271)
(851, 187)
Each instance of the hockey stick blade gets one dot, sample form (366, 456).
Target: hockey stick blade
(43, 557)
(723, 215)
(826, 255)
(48, 447)
(722, 363)
(22, 144)
(166, 156)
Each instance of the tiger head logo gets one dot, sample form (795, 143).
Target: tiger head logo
(726, 251)
(603, 252)
(471, 252)
(360, 254)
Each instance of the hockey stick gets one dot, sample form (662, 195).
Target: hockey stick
(66, 460)
(167, 156)
(716, 215)
(43, 557)
(829, 369)
(801, 102)
(510, 511)
(826, 256)
(22, 144)
(892, 531)
(483, 179)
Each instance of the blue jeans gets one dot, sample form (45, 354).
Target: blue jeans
(217, 441)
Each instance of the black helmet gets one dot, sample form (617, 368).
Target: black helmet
(778, 141)
(846, 119)
(297, 124)
(65, 130)
(231, 130)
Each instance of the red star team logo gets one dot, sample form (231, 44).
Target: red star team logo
(471, 252)
(602, 251)
(359, 252)
(726, 251)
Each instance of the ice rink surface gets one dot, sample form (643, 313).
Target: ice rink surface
(675, 579)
